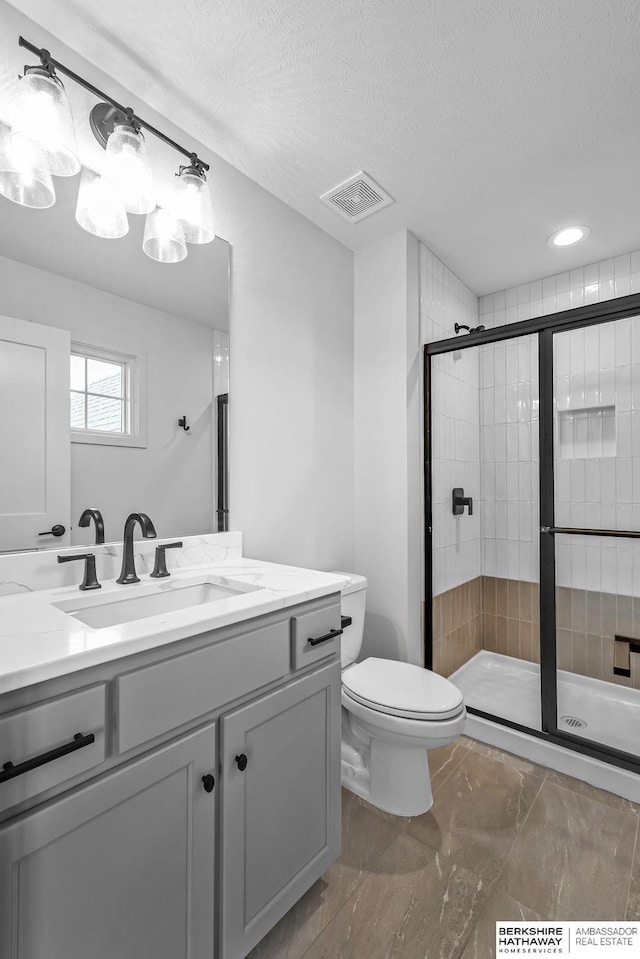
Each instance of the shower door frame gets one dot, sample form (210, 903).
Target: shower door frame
(545, 326)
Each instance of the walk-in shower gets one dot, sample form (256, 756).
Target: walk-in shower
(533, 594)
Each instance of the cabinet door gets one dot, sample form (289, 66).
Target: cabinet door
(121, 868)
(281, 814)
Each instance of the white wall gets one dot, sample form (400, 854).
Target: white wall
(291, 343)
(291, 389)
(445, 301)
(387, 444)
(171, 479)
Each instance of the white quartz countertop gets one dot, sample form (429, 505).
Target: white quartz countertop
(39, 641)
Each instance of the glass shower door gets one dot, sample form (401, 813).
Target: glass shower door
(485, 555)
(594, 534)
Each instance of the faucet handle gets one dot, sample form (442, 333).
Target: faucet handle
(160, 566)
(90, 580)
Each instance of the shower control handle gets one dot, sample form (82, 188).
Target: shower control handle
(459, 501)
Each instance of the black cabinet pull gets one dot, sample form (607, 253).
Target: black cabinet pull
(242, 762)
(9, 771)
(208, 782)
(323, 639)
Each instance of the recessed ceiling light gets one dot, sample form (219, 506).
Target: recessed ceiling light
(568, 235)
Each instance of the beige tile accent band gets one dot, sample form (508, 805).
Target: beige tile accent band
(502, 616)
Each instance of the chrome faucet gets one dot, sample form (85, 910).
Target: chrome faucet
(128, 571)
(93, 514)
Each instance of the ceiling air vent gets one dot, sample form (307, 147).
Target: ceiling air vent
(357, 197)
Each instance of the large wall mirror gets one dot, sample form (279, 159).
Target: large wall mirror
(114, 368)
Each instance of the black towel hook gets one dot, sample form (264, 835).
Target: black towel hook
(183, 423)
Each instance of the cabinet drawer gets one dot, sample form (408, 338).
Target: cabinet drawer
(155, 700)
(43, 736)
(314, 637)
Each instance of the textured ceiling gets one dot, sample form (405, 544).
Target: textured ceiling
(491, 122)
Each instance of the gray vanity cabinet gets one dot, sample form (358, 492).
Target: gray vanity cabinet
(280, 796)
(122, 867)
(203, 801)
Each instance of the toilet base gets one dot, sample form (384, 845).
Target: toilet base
(384, 758)
(394, 778)
(398, 781)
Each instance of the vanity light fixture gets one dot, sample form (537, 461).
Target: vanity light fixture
(568, 235)
(126, 163)
(42, 119)
(100, 209)
(20, 180)
(164, 238)
(193, 204)
(41, 143)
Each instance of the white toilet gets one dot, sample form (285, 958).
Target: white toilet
(392, 713)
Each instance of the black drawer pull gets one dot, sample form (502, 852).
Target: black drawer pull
(242, 761)
(323, 639)
(9, 771)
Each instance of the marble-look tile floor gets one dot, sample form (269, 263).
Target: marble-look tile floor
(505, 839)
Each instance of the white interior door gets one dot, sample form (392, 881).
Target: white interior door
(34, 435)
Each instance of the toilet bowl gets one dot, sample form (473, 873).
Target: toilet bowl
(392, 713)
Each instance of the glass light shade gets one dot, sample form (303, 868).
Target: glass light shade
(127, 167)
(164, 237)
(193, 208)
(100, 209)
(43, 124)
(20, 180)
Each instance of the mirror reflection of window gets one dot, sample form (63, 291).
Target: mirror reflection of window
(99, 397)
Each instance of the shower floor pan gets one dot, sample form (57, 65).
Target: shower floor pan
(605, 713)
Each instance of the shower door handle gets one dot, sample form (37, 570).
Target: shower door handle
(576, 531)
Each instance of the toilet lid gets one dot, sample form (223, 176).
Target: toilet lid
(402, 689)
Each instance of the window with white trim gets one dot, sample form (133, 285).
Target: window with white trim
(105, 397)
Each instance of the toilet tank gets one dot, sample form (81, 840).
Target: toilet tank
(353, 601)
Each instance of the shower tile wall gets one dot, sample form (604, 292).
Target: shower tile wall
(564, 291)
(509, 455)
(597, 462)
(220, 362)
(598, 484)
(445, 301)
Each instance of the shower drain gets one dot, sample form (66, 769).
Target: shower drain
(573, 721)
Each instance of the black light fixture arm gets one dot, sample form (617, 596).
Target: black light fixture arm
(48, 61)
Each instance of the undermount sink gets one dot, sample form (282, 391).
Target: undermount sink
(113, 611)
